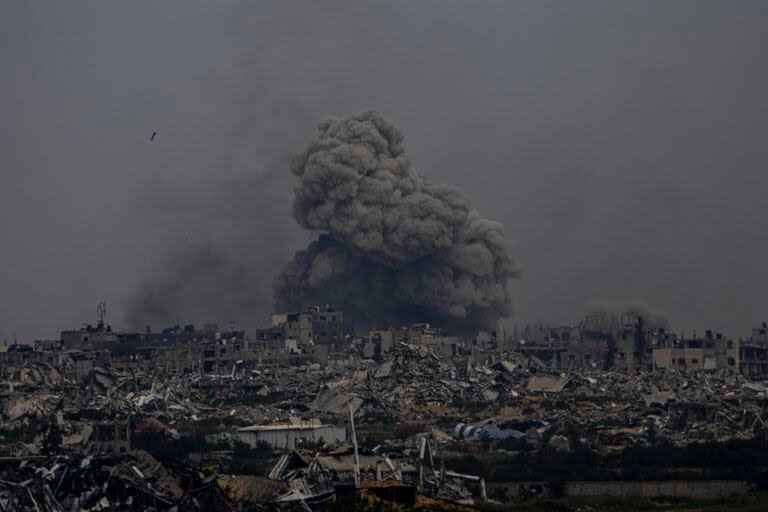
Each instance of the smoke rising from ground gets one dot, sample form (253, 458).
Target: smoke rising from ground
(395, 248)
(227, 243)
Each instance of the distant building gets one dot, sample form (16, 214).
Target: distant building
(760, 334)
(297, 332)
(712, 352)
(88, 337)
(753, 354)
(601, 343)
(380, 342)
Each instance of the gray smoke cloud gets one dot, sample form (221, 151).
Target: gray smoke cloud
(395, 248)
(226, 242)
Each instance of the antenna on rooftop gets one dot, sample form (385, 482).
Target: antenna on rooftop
(101, 312)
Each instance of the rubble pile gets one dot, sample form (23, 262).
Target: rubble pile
(609, 410)
(70, 443)
(413, 383)
(133, 481)
(614, 411)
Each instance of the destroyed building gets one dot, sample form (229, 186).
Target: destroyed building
(312, 335)
(753, 353)
(316, 326)
(634, 346)
(712, 352)
(295, 417)
(381, 341)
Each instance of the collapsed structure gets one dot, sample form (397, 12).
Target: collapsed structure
(304, 411)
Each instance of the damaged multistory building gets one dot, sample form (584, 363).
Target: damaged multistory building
(315, 334)
(753, 354)
(293, 418)
(633, 346)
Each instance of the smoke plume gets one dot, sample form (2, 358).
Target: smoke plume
(227, 243)
(394, 248)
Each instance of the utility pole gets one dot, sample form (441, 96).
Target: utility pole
(356, 466)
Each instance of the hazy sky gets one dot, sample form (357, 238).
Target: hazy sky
(622, 144)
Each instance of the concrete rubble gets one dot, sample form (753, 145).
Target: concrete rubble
(133, 481)
(277, 432)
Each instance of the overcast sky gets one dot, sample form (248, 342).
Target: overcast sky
(622, 144)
